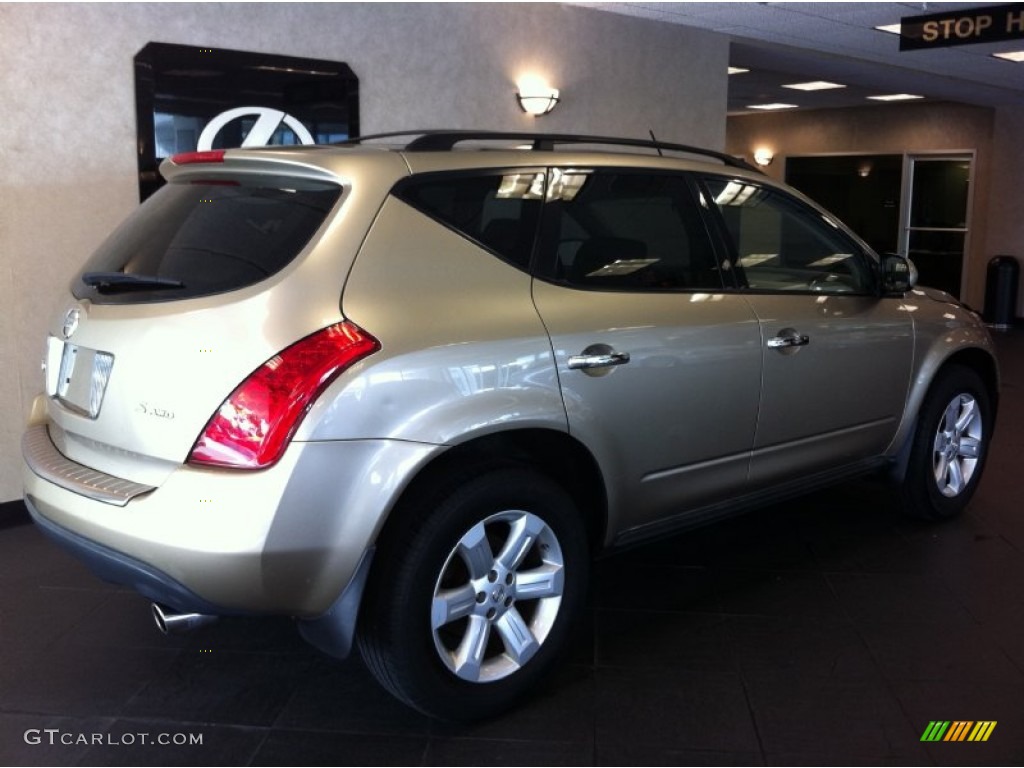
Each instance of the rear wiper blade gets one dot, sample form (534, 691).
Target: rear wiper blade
(120, 281)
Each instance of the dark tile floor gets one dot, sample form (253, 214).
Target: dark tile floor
(827, 631)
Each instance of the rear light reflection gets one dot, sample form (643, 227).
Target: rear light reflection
(252, 428)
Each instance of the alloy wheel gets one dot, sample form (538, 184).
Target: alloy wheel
(957, 445)
(497, 596)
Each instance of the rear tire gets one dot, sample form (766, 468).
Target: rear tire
(950, 445)
(474, 593)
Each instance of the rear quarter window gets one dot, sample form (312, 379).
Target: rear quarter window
(498, 211)
(191, 240)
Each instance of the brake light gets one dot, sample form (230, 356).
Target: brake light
(205, 156)
(252, 428)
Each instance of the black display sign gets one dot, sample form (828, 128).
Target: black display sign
(963, 27)
(189, 98)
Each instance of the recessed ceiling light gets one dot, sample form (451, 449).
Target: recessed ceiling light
(737, 70)
(896, 97)
(816, 85)
(772, 106)
(893, 29)
(1017, 56)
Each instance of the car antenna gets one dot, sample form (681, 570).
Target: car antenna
(650, 131)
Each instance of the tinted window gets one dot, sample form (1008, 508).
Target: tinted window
(781, 244)
(200, 239)
(626, 231)
(498, 211)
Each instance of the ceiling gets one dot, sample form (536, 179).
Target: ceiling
(785, 42)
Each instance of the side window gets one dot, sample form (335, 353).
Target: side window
(498, 211)
(621, 230)
(781, 244)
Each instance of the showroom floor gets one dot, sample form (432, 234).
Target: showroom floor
(827, 631)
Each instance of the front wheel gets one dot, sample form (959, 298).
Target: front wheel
(950, 446)
(474, 594)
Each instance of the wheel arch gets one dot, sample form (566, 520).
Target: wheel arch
(977, 359)
(554, 454)
(982, 363)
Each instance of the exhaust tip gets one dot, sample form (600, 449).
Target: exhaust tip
(169, 623)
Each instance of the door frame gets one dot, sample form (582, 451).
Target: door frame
(907, 197)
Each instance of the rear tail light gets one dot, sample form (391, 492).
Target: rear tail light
(204, 156)
(252, 428)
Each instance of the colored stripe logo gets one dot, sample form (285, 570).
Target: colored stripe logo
(958, 730)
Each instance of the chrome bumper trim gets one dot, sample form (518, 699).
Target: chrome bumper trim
(45, 460)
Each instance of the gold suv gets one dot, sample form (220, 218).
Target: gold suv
(402, 392)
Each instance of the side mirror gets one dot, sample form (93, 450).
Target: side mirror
(899, 274)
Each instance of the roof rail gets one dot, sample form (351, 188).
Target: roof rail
(443, 140)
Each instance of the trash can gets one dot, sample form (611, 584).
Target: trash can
(1001, 281)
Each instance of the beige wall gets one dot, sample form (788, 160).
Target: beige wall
(993, 134)
(67, 160)
(1005, 226)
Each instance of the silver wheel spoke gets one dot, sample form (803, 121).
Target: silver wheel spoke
(949, 417)
(452, 604)
(469, 656)
(520, 644)
(967, 414)
(956, 477)
(941, 469)
(522, 534)
(546, 581)
(476, 552)
(970, 448)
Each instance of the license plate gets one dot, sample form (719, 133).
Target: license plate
(77, 376)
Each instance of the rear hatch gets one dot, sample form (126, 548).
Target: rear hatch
(202, 284)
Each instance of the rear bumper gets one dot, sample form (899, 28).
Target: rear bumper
(288, 540)
(332, 632)
(118, 568)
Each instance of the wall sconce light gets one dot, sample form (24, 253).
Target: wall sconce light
(763, 156)
(536, 97)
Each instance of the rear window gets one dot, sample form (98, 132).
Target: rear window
(190, 240)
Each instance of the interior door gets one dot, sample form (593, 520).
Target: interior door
(659, 366)
(936, 215)
(836, 356)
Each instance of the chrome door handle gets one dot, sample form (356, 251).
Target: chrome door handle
(600, 360)
(788, 340)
